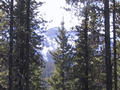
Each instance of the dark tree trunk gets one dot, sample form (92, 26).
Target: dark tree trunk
(107, 46)
(21, 44)
(27, 43)
(114, 47)
(11, 46)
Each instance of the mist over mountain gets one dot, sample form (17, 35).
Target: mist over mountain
(50, 44)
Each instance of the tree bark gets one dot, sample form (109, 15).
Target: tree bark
(21, 44)
(11, 46)
(107, 46)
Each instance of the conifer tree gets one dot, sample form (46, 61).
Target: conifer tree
(81, 72)
(28, 61)
(20, 63)
(27, 44)
(94, 40)
(60, 80)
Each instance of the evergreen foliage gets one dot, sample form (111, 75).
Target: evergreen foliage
(63, 56)
(20, 63)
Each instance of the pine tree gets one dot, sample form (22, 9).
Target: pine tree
(86, 57)
(95, 40)
(36, 64)
(27, 43)
(61, 78)
(81, 72)
(21, 44)
(20, 64)
(82, 52)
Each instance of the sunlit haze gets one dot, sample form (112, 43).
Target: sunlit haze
(53, 11)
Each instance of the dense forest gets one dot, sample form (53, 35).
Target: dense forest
(89, 62)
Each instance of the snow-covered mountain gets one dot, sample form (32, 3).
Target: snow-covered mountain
(50, 43)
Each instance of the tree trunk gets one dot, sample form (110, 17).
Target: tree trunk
(21, 44)
(11, 46)
(107, 46)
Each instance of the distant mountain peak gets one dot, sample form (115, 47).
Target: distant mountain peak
(50, 43)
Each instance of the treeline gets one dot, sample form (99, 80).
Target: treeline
(92, 64)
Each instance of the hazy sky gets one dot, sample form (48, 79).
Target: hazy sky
(53, 11)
